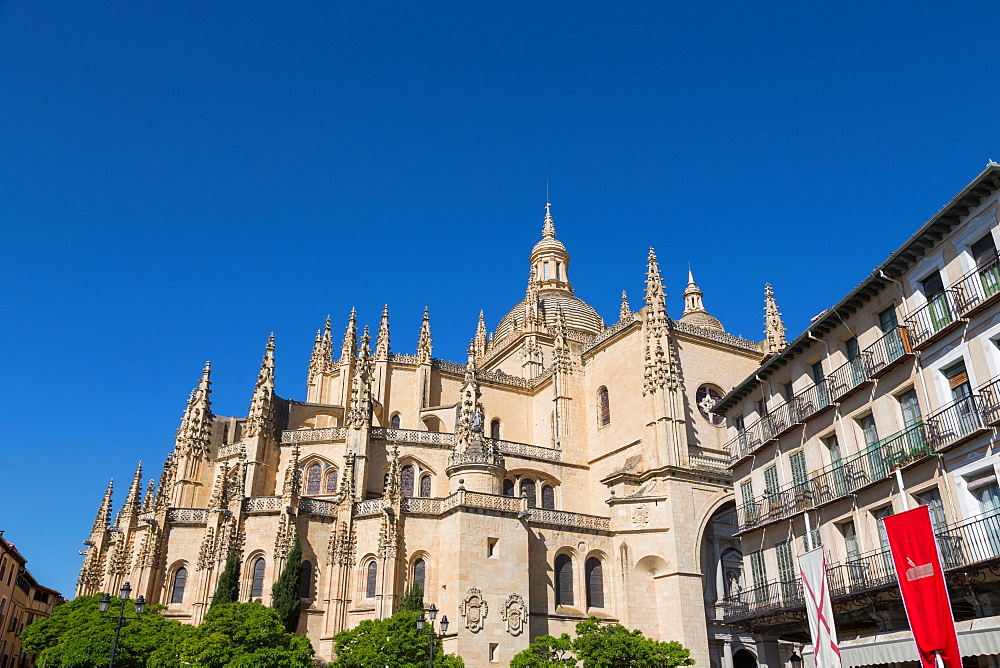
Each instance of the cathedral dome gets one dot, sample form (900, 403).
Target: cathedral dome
(548, 246)
(694, 309)
(580, 316)
(702, 319)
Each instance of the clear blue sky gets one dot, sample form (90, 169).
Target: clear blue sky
(179, 179)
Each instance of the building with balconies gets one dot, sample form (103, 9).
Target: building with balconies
(22, 601)
(901, 374)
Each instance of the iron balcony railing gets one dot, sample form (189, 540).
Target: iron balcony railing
(813, 400)
(966, 544)
(850, 376)
(990, 397)
(892, 348)
(957, 422)
(932, 320)
(839, 479)
(980, 288)
(770, 426)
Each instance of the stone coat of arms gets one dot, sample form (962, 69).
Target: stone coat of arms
(474, 609)
(514, 613)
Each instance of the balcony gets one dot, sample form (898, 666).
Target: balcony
(990, 397)
(770, 597)
(813, 400)
(934, 319)
(960, 421)
(889, 351)
(979, 289)
(851, 376)
(840, 479)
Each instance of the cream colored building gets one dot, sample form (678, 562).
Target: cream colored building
(902, 373)
(22, 601)
(567, 468)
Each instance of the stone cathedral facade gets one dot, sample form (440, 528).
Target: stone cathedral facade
(567, 468)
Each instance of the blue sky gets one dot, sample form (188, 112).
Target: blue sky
(179, 179)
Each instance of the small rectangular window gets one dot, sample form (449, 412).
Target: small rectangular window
(491, 548)
(887, 320)
(545, 271)
(494, 652)
(789, 393)
(932, 285)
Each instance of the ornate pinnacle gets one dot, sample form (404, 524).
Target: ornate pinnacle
(350, 339)
(479, 343)
(147, 500)
(131, 505)
(625, 312)
(290, 488)
(774, 328)
(656, 298)
(261, 411)
(692, 296)
(321, 361)
(562, 361)
(195, 431)
(548, 227)
(424, 343)
(164, 490)
(382, 345)
(532, 314)
(104, 510)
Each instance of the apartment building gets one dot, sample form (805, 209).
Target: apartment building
(902, 373)
(22, 601)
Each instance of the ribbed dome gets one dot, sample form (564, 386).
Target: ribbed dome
(548, 245)
(702, 319)
(580, 316)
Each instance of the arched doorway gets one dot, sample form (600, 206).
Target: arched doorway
(744, 659)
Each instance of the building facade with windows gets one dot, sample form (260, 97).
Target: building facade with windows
(567, 468)
(901, 374)
(22, 601)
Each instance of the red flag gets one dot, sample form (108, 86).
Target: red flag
(921, 581)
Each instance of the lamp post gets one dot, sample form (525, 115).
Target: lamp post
(431, 635)
(140, 604)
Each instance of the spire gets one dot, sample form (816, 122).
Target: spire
(424, 343)
(261, 411)
(347, 480)
(147, 500)
(131, 505)
(290, 487)
(656, 299)
(532, 314)
(562, 357)
(470, 412)
(479, 343)
(774, 328)
(548, 226)
(692, 296)
(164, 491)
(321, 361)
(359, 408)
(218, 498)
(195, 432)
(626, 311)
(350, 339)
(382, 345)
(104, 510)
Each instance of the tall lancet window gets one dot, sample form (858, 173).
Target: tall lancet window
(595, 583)
(425, 486)
(406, 480)
(371, 579)
(548, 497)
(257, 583)
(331, 482)
(495, 429)
(603, 407)
(564, 580)
(306, 580)
(180, 581)
(313, 477)
(419, 573)
(528, 490)
(394, 421)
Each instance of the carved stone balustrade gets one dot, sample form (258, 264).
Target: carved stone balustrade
(419, 506)
(230, 450)
(314, 435)
(413, 436)
(262, 504)
(187, 515)
(318, 507)
(526, 450)
(707, 462)
(369, 507)
(566, 519)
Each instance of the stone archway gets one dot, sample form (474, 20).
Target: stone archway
(744, 659)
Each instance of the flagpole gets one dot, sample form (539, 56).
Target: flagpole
(902, 490)
(809, 537)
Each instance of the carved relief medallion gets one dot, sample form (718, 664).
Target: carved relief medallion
(515, 614)
(474, 609)
(640, 515)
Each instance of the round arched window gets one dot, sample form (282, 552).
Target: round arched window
(706, 398)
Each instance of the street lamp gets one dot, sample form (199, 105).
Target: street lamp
(431, 635)
(140, 605)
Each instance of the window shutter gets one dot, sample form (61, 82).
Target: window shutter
(959, 378)
(786, 570)
(771, 479)
(798, 462)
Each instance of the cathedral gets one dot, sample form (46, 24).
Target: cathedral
(566, 468)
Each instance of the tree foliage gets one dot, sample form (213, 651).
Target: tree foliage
(244, 635)
(227, 590)
(285, 592)
(413, 599)
(77, 636)
(600, 645)
(235, 634)
(393, 641)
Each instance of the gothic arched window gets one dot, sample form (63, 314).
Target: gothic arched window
(370, 581)
(595, 583)
(425, 486)
(257, 583)
(419, 573)
(548, 497)
(180, 581)
(603, 407)
(331, 482)
(495, 429)
(394, 421)
(313, 476)
(564, 580)
(528, 490)
(508, 487)
(306, 580)
(406, 479)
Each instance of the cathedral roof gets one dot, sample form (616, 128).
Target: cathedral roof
(702, 319)
(580, 316)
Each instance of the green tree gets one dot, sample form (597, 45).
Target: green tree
(413, 599)
(546, 651)
(76, 636)
(612, 645)
(227, 590)
(393, 641)
(237, 635)
(285, 592)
